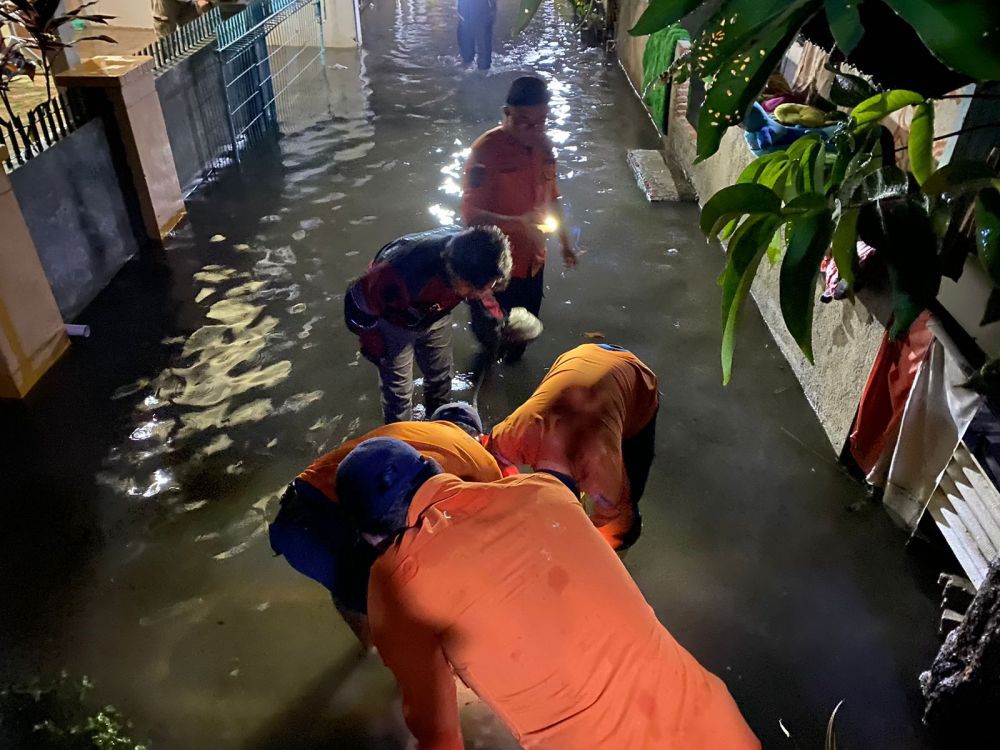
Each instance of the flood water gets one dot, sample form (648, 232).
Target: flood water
(138, 478)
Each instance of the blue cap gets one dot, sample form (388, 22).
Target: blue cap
(376, 482)
(460, 413)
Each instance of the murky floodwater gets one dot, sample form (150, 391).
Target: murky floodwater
(141, 475)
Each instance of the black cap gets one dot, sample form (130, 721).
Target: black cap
(527, 91)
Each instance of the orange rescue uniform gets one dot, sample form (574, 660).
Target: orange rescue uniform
(509, 584)
(455, 451)
(504, 176)
(619, 398)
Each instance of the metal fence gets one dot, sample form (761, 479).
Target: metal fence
(190, 37)
(24, 137)
(263, 52)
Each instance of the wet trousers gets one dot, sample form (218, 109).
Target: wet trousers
(475, 32)
(638, 452)
(432, 351)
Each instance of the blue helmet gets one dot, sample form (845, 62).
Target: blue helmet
(460, 413)
(376, 482)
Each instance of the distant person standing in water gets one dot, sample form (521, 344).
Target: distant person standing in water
(510, 182)
(475, 31)
(169, 15)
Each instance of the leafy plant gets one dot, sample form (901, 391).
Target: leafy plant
(42, 20)
(59, 716)
(824, 197)
(744, 40)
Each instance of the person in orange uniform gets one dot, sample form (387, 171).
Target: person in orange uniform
(591, 419)
(510, 182)
(319, 541)
(509, 585)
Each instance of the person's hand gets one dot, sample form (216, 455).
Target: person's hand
(532, 219)
(204, 5)
(570, 257)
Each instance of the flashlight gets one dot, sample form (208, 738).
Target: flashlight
(550, 225)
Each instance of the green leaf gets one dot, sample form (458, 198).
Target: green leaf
(805, 205)
(524, 15)
(921, 141)
(775, 246)
(737, 86)
(884, 182)
(756, 168)
(880, 106)
(844, 245)
(775, 174)
(848, 90)
(959, 177)
(809, 238)
(728, 39)
(660, 14)
(960, 33)
(746, 250)
(988, 232)
(845, 23)
(811, 163)
(735, 201)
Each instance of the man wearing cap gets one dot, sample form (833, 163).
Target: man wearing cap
(593, 419)
(510, 182)
(400, 308)
(509, 585)
(317, 538)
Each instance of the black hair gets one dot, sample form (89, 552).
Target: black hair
(480, 256)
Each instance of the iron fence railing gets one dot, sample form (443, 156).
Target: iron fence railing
(189, 38)
(27, 136)
(251, 20)
(263, 51)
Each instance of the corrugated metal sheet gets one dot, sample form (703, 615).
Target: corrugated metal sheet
(966, 508)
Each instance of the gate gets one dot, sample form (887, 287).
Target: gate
(263, 51)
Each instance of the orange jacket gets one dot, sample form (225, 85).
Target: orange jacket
(506, 177)
(455, 450)
(591, 399)
(509, 584)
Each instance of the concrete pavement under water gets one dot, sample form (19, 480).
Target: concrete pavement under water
(138, 478)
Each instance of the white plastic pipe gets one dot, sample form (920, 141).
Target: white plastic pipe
(77, 330)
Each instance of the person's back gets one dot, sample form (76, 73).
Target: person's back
(539, 617)
(593, 401)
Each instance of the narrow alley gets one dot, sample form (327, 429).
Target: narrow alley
(141, 475)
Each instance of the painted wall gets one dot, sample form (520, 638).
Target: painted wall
(79, 218)
(128, 13)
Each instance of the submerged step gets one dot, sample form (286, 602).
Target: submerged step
(658, 179)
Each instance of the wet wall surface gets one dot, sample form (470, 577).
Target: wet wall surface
(138, 477)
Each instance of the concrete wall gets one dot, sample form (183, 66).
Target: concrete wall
(631, 48)
(194, 110)
(79, 219)
(846, 337)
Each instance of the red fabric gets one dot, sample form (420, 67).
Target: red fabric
(886, 392)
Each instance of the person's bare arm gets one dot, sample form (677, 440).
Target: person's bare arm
(411, 650)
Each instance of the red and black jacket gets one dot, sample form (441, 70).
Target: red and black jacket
(407, 285)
